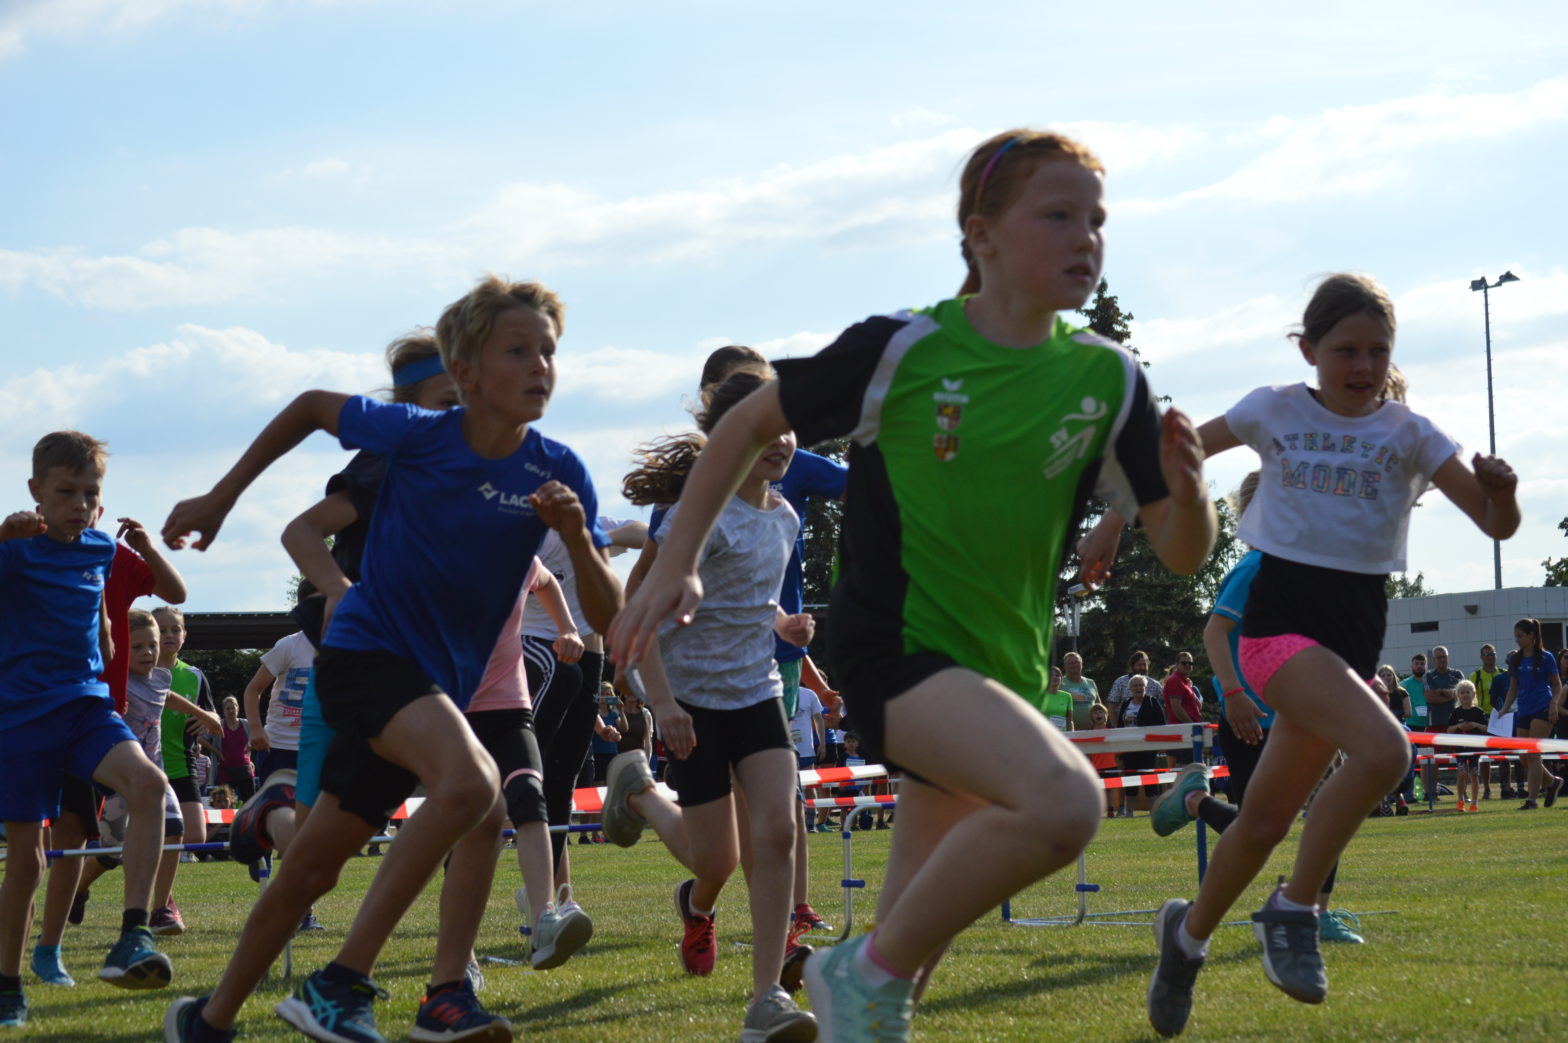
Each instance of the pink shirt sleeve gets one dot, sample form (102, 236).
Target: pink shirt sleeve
(505, 684)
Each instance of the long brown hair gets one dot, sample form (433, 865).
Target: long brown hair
(664, 463)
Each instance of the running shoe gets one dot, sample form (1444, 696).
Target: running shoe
(1529, 805)
(1290, 950)
(1552, 789)
(627, 775)
(308, 922)
(133, 963)
(46, 964)
(248, 839)
(13, 1009)
(334, 1011)
(775, 1019)
(474, 977)
(556, 936)
(78, 907)
(1170, 987)
(697, 950)
(851, 1011)
(791, 970)
(166, 920)
(179, 1021)
(1170, 811)
(807, 919)
(455, 1014)
(1339, 925)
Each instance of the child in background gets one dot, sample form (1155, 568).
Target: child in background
(716, 694)
(1468, 719)
(1535, 697)
(979, 428)
(180, 734)
(1104, 764)
(1343, 465)
(56, 716)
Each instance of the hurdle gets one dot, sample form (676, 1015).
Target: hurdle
(1128, 740)
(1512, 749)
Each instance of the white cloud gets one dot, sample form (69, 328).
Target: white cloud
(1360, 149)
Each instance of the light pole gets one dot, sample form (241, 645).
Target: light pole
(1491, 417)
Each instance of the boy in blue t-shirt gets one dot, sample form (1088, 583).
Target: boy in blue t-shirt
(57, 717)
(466, 501)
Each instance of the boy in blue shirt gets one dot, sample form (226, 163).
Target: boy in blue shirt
(466, 501)
(57, 717)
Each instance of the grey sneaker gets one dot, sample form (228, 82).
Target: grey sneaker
(775, 1019)
(627, 774)
(557, 936)
(1170, 989)
(1290, 951)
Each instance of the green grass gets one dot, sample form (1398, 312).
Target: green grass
(1473, 950)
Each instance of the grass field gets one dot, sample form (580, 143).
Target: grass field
(1475, 947)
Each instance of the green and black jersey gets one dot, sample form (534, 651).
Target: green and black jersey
(970, 465)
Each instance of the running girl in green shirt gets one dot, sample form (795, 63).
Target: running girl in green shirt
(979, 428)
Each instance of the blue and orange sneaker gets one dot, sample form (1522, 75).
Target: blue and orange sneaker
(248, 840)
(455, 1014)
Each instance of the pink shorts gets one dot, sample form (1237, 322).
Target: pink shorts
(1261, 658)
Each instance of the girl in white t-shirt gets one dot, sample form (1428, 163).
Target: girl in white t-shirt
(1343, 463)
(717, 699)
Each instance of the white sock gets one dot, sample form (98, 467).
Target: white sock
(1279, 901)
(870, 971)
(1192, 948)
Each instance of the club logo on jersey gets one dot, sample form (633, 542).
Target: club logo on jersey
(952, 392)
(93, 579)
(1067, 446)
(510, 503)
(946, 447)
(949, 415)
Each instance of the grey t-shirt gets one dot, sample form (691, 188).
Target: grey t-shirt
(144, 699)
(1437, 681)
(723, 660)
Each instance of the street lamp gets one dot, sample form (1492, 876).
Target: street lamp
(1491, 418)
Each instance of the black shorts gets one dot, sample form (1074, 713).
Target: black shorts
(725, 738)
(359, 693)
(1345, 612)
(185, 790)
(508, 736)
(1469, 762)
(871, 684)
(80, 797)
(274, 760)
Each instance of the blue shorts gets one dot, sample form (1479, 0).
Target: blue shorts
(802, 763)
(315, 735)
(36, 755)
(274, 760)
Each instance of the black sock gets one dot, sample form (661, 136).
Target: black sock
(336, 972)
(10, 984)
(444, 986)
(132, 919)
(1215, 814)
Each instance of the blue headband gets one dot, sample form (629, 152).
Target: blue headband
(985, 175)
(413, 372)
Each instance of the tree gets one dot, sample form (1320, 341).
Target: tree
(228, 670)
(1557, 568)
(1400, 585)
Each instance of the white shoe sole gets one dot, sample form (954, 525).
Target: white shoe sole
(575, 931)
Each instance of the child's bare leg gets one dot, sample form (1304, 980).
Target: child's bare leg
(66, 833)
(281, 825)
(126, 770)
(926, 816)
(768, 779)
(710, 860)
(429, 738)
(1014, 838)
(1535, 768)
(464, 894)
(1322, 706)
(24, 868)
(533, 861)
(798, 893)
(163, 880)
(331, 838)
(742, 827)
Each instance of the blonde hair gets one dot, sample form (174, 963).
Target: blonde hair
(996, 172)
(141, 619)
(416, 346)
(71, 450)
(1241, 499)
(466, 323)
(1464, 686)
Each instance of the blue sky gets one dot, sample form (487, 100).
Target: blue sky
(208, 207)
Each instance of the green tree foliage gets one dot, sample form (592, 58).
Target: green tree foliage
(1557, 568)
(228, 670)
(1400, 585)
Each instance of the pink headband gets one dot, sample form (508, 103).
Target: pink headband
(985, 175)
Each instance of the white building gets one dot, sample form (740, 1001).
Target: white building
(1464, 622)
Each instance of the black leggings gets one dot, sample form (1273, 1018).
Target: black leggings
(566, 704)
(1242, 759)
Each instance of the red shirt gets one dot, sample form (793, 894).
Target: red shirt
(129, 579)
(1179, 687)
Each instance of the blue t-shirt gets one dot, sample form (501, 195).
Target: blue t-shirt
(451, 540)
(1232, 600)
(51, 598)
(808, 475)
(1533, 674)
